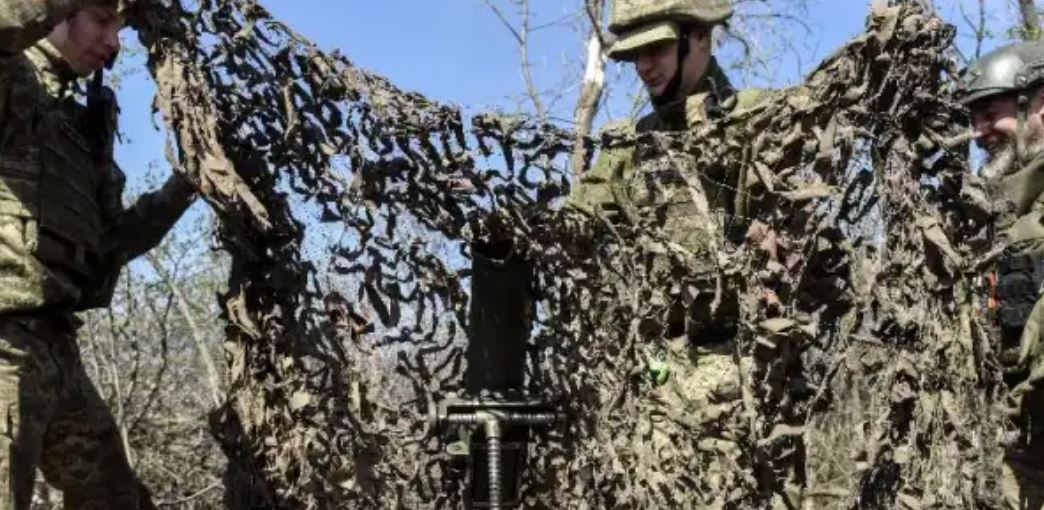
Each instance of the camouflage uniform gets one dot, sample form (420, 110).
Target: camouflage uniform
(1022, 349)
(64, 237)
(1017, 71)
(702, 380)
(616, 190)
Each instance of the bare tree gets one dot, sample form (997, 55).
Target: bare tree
(1030, 20)
(151, 356)
(593, 85)
(195, 331)
(521, 33)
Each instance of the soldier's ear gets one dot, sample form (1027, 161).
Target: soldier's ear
(59, 33)
(700, 37)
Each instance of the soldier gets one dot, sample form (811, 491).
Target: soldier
(64, 237)
(670, 44)
(1003, 91)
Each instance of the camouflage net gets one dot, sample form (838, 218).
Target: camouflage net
(348, 207)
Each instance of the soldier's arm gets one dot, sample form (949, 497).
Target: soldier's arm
(1031, 358)
(600, 190)
(24, 22)
(140, 227)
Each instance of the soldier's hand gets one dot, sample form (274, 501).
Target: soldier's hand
(1011, 406)
(181, 185)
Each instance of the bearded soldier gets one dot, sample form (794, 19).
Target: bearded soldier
(670, 44)
(1003, 91)
(64, 237)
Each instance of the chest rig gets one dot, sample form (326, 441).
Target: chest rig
(1019, 280)
(692, 209)
(52, 174)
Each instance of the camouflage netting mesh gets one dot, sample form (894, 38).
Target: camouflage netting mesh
(344, 200)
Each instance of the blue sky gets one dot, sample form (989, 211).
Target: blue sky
(457, 51)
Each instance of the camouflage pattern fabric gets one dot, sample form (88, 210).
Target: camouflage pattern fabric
(1019, 217)
(699, 377)
(827, 163)
(703, 387)
(56, 420)
(629, 13)
(1022, 481)
(698, 222)
(613, 188)
(1019, 222)
(66, 233)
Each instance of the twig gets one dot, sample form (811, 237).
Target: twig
(213, 379)
(521, 35)
(196, 495)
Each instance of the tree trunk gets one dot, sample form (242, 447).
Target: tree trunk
(1030, 20)
(593, 86)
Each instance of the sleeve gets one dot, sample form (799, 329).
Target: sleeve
(602, 190)
(140, 227)
(1031, 358)
(24, 22)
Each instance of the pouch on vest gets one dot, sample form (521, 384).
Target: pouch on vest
(1019, 280)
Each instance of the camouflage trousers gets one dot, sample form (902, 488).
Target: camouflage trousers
(56, 420)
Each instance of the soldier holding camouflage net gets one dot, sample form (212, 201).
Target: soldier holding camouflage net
(64, 236)
(1004, 90)
(670, 44)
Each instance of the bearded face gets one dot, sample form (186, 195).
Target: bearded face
(1001, 158)
(995, 121)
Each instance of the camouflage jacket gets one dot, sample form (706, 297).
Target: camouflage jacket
(1021, 219)
(1020, 225)
(614, 188)
(697, 210)
(64, 233)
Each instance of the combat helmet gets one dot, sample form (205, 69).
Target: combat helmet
(1011, 69)
(1016, 69)
(639, 23)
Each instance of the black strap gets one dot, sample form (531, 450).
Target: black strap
(101, 103)
(1019, 279)
(97, 113)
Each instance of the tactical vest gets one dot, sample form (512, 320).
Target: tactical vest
(1019, 278)
(1020, 270)
(714, 99)
(51, 181)
(702, 219)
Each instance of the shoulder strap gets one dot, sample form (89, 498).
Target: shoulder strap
(102, 112)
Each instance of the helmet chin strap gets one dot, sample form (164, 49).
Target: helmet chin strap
(670, 94)
(100, 102)
(1020, 127)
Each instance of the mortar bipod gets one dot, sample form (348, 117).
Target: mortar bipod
(492, 436)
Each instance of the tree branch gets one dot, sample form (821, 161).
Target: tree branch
(593, 86)
(521, 35)
(196, 333)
